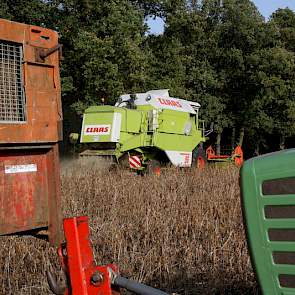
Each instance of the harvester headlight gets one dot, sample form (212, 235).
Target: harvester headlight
(74, 137)
(148, 98)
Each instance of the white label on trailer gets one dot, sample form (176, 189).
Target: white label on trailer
(20, 168)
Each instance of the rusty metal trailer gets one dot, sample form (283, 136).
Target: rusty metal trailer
(30, 128)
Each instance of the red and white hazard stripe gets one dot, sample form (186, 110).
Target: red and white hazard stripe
(134, 162)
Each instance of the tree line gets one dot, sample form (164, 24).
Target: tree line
(221, 53)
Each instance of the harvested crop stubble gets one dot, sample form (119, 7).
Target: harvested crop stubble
(181, 232)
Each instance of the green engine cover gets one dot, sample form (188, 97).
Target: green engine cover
(102, 127)
(268, 198)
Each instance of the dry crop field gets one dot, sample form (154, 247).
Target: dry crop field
(181, 232)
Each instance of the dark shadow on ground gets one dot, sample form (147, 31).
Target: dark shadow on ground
(224, 284)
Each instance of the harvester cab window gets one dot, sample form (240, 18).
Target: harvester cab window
(130, 103)
(127, 103)
(12, 97)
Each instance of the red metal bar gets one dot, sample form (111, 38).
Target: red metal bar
(236, 157)
(211, 155)
(85, 277)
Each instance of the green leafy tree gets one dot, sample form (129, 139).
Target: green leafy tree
(285, 20)
(221, 53)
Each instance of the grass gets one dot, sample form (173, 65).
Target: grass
(181, 232)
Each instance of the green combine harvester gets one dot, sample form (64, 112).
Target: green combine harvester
(145, 129)
(268, 198)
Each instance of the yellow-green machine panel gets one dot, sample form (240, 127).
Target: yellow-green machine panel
(268, 198)
(149, 125)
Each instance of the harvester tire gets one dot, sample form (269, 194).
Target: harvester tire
(153, 167)
(199, 158)
(123, 162)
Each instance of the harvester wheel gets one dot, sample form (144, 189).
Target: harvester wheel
(199, 158)
(153, 167)
(123, 161)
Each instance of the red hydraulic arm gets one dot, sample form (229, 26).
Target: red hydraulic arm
(83, 276)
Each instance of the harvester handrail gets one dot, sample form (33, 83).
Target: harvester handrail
(202, 127)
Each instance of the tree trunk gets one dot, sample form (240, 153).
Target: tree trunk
(233, 138)
(218, 141)
(257, 147)
(282, 142)
(241, 136)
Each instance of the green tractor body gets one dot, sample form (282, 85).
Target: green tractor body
(149, 125)
(268, 197)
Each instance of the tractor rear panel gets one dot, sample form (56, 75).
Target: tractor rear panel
(268, 197)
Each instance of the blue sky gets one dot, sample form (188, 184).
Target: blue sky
(266, 7)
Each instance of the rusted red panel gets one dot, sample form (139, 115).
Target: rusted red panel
(29, 161)
(24, 193)
(54, 196)
(30, 191)
(41, 84)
